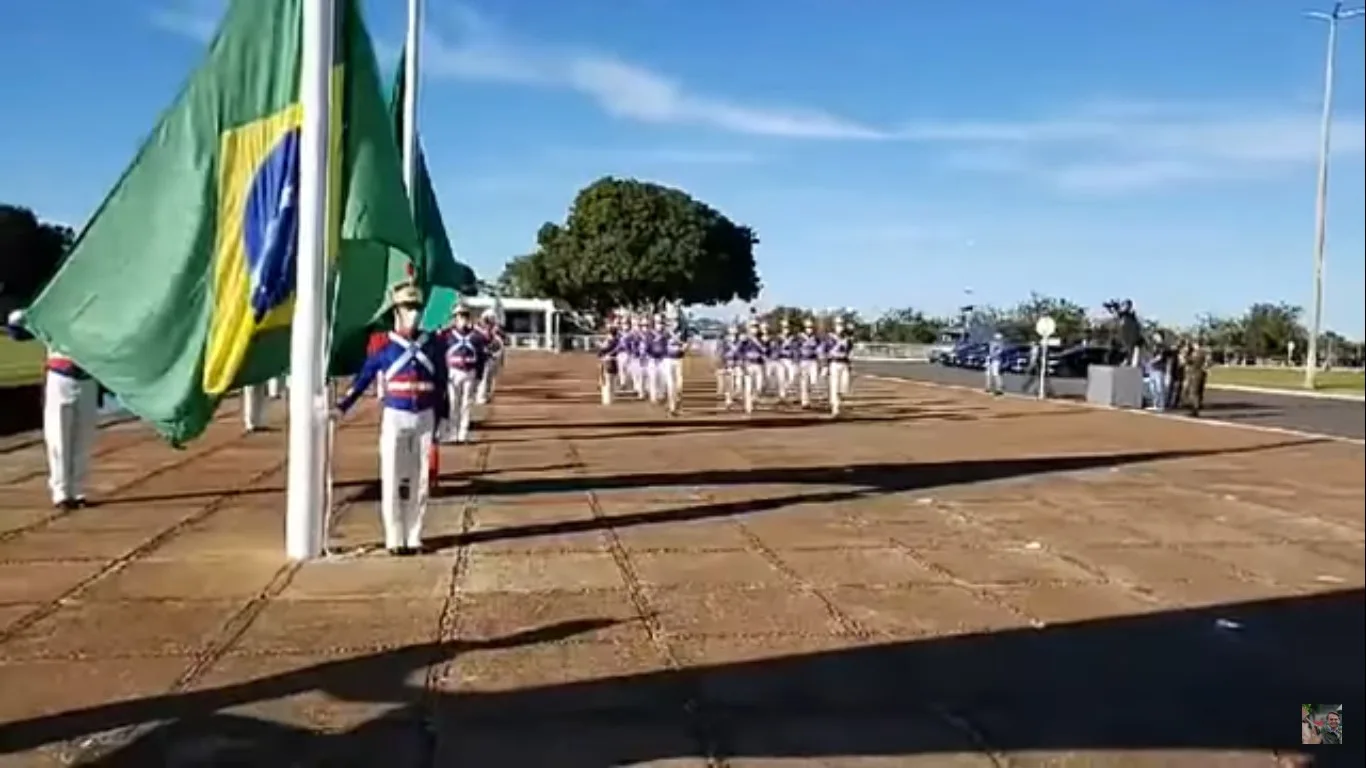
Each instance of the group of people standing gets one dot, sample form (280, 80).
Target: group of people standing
(428, 383)
(753, 362)
(1174, 376)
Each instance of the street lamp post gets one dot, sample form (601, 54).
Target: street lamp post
(1338, 14)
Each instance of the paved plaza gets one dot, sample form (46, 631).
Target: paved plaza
(937, 579)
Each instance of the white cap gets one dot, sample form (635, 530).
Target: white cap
(16, 317)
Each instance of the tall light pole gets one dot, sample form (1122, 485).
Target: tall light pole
(1338, 14)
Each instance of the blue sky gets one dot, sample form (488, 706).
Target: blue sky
(888, 153)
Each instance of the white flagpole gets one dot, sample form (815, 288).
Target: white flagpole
(305, 492)
(412, 53)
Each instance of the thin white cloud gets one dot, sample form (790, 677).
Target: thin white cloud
(1155, 146)
(479, 50)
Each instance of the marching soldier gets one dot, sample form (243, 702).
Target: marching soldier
(785, 349)
(810, 348)
(752, 356)
(675, 347)
(494, 348)
(732, 364)
(773, 367)
(636, 341)
(609, 355)
(622, 328)
(70, 417)
(466, 356)
(655, 341)
(838, 348)
(413, 365)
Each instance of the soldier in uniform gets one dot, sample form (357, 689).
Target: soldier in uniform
(675, 347)
(773, 368)
(413, 365)
(734, 363)
(752, 354)
(1196, 369)
(810, 347)
(635, 340)
(785, 349)
(70, 417)
(609, 354)
(466, 357)
(494, 347)
(838, 347)
(655, 340)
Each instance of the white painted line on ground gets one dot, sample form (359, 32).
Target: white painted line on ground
(1158, 414)
(1344, 396)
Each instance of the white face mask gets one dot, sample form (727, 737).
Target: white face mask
(405, 318)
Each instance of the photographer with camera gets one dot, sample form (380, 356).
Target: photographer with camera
(1128, 331)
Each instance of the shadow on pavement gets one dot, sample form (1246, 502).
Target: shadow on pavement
(1226, 677)
(862, 481)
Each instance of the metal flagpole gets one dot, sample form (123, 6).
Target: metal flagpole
(411, 54)
(304, 509)
(1338, 14)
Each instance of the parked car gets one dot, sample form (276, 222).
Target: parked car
(944, 346)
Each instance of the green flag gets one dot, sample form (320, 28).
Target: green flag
(441, 276)
(181, 287)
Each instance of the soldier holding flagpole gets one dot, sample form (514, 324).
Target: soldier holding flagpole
(70, 416)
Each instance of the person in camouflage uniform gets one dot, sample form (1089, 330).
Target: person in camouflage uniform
(1196, 369)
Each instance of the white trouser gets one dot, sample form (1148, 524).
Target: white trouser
(753, 383)
(994, 381)
(670, 375)
(70, 415)
(839, 384)
(460, 389)
(808, 375)
(654, 378)
(773, 374)
(787, 377)
(404, 440)
(722, 377)
(275, 388)
(623, 370)
(252, 406)
(637, 366)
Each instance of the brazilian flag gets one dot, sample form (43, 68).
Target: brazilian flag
(181, 287)
(442, 277)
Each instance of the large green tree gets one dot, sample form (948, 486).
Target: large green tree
(636, 244)
(30, 252)
(1269, 329)
(1069, 316)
